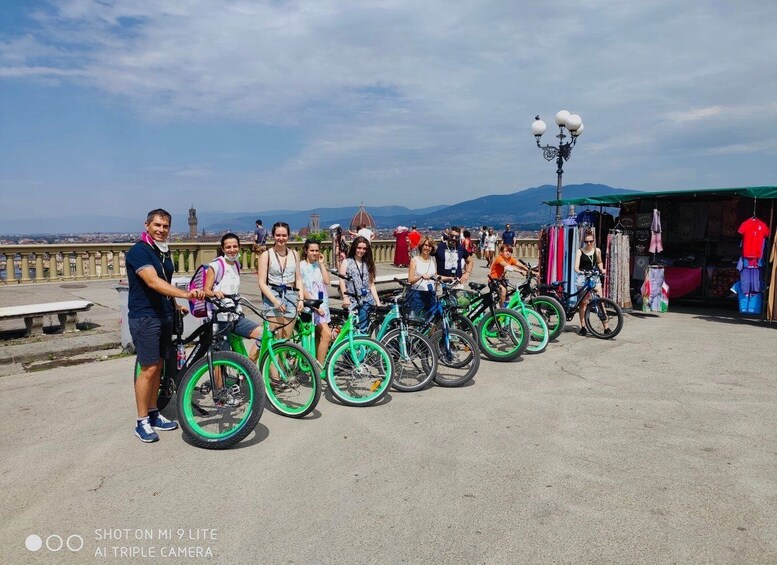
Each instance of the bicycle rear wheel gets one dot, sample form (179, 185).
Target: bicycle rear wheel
(458, 359)
(359, 371)
(217, 419)
(291, 379)
(415, 361)
(553, 312)
(538, 331)
(503, 335)
(601, 312)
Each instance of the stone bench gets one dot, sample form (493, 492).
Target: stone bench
(66, 312)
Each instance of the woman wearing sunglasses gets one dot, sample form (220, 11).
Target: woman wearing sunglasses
(588, 258)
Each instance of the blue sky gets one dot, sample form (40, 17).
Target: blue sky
(116, 107)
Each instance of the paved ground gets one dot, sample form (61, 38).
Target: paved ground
(657, 447)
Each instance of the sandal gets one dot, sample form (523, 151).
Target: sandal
(582, 331)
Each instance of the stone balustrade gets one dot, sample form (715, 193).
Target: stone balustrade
(41, 263)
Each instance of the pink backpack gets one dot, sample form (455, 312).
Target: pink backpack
(199, 308)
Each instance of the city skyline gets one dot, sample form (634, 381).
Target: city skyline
(119, 106)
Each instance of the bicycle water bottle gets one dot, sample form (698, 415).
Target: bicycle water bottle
(180, 355)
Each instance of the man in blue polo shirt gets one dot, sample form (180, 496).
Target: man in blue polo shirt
(150, 318)
(508, 236)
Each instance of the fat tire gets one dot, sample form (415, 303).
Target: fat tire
(593, 324)
(553, 312)
(190, 396)
(341, 358)
(307, 384)
(416, 372)
(460, 341)
(538, 331)
(515, 340)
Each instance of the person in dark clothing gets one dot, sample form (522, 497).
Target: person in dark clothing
(451, 257)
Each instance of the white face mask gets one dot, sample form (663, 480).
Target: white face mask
(162, 246)
(232, 258)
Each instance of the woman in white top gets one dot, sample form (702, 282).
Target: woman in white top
(315, 280)
(223, 277)
(421, 274)
(280, 281)
(490, 246)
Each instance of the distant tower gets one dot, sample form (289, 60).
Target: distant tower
(315, 227)
(192, 222)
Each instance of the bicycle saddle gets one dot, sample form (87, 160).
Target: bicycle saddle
(312, 303)
(477, 286)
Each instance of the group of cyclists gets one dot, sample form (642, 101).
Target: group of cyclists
(286, 280)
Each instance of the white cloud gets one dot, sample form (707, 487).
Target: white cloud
(436, 96)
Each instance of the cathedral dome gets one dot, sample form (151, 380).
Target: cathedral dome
(362, 218)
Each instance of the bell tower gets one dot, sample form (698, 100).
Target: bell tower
(192, 222)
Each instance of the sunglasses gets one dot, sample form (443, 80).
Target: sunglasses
(589, 240)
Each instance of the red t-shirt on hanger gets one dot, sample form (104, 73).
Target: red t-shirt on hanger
(754, 232)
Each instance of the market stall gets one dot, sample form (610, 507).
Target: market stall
(703, 242)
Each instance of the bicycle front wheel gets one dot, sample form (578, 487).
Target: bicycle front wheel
(359, 371)
(538, 331)
(217, 417)
(292, 380)
(603, 318)
(503, 335)
(458, 357)
(415, 361)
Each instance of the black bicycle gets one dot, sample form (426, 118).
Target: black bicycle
(602, 317)
(220, 393)
(536, 296)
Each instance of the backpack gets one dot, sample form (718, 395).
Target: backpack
(199, 308)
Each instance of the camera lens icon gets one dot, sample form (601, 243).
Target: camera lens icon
(54, 543)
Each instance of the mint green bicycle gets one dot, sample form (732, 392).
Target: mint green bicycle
(358, 370)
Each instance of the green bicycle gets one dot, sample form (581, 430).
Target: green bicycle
(358, 369)
(415, 358)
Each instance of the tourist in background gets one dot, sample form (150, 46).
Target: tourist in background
(260, 242)
(413, 239)
(280, 281)
(150, 318)
(341, 247)
(508, 236)
(401, 257)
(360, 268)
(315, 281)
(490, 246)
(467, 242)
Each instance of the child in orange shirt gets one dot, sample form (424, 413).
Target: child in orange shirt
(505, 262)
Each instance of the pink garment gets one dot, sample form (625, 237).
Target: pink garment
(656, 245)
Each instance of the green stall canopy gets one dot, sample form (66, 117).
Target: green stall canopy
(617, 199)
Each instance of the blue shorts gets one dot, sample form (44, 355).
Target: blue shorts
(150, 336)
(290, 298)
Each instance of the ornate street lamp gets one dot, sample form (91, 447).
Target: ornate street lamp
(574, 124)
